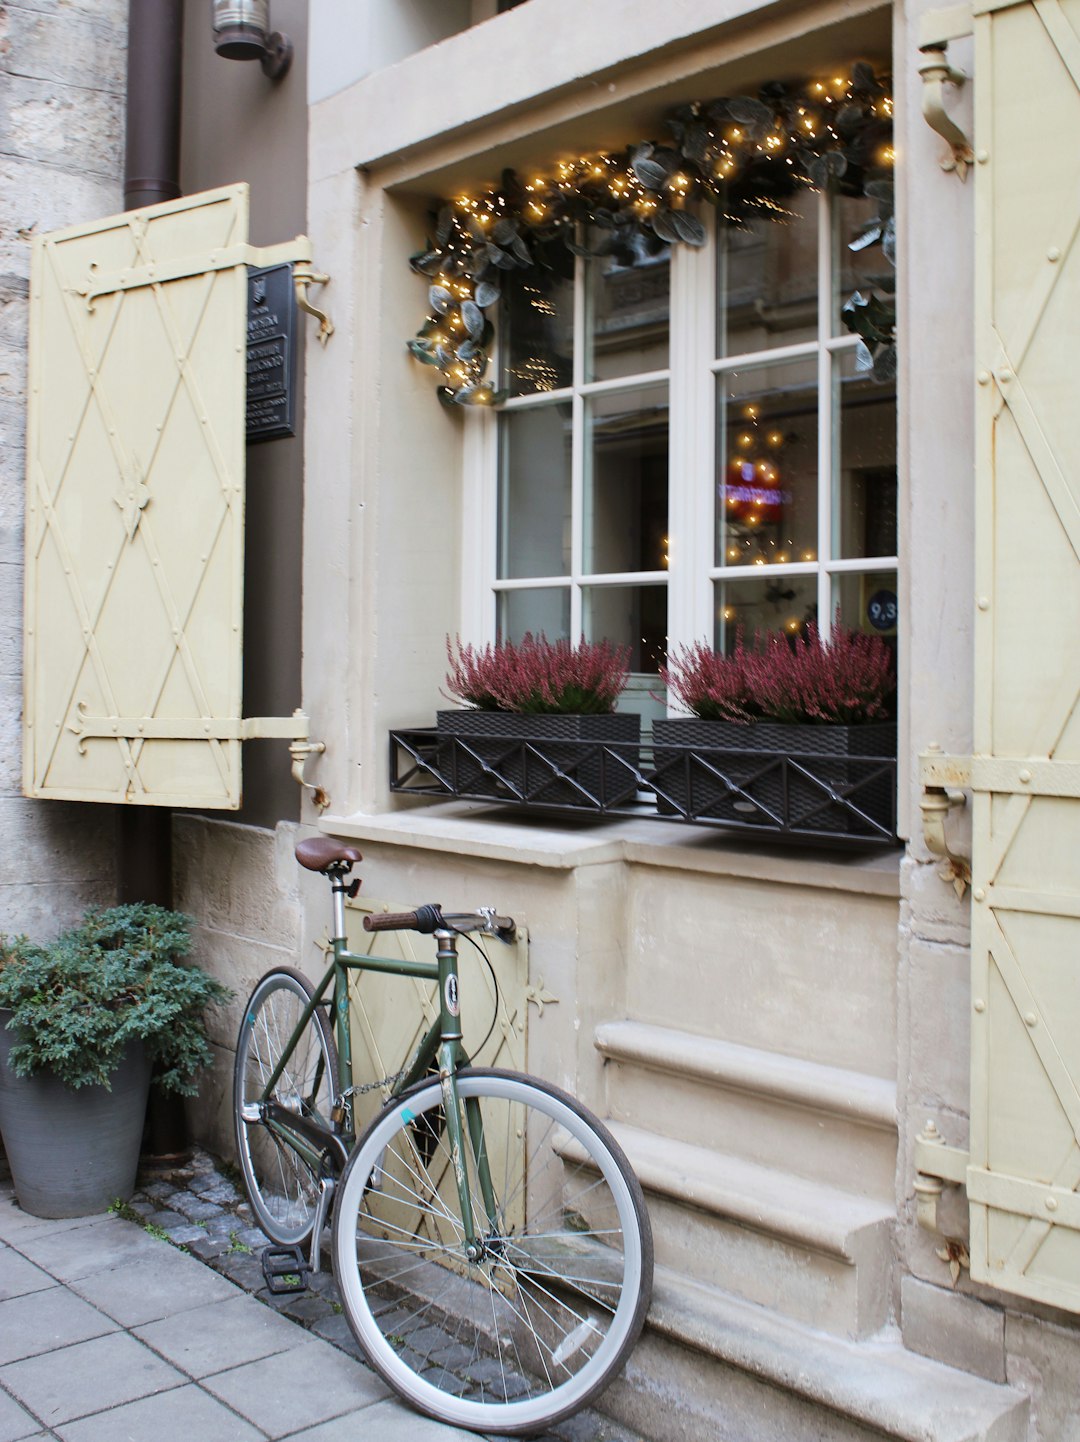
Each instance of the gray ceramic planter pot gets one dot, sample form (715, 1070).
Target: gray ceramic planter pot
(72, 1152)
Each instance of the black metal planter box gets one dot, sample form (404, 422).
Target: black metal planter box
(825, 779)
(509, 757)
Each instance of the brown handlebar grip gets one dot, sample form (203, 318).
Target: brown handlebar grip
(391, 921)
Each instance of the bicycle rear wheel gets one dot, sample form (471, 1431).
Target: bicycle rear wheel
(532, 1329)
(282, 1181)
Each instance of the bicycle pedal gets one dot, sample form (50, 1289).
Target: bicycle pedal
(285, 1269)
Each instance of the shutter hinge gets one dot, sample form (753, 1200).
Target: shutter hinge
(941, 777)
(936, 29)
(296, 729)
(935, 1164)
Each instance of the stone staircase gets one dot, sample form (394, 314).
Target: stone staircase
(770, 1182)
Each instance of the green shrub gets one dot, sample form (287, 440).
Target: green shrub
(119, 976)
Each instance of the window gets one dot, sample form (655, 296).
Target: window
(690, 447)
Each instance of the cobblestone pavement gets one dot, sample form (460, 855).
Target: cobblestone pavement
(200, 1206)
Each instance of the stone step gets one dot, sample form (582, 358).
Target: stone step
(811, 1251)
(823, 1121)
(710, 1365)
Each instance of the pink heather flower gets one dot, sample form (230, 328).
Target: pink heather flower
(535, 675)
(709, 684)
(847, 679)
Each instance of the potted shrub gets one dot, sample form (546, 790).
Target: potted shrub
(82, 1020)
(524, 697)
(802, 698)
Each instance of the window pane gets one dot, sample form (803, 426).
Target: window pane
(769, 281)
(537, 333)
(545, 609)
(865, 501)
(534, 491)
(773, 603)
(626, 481)
(766, 485)
(855, 270)
(627, 326)
(634, 616)
(867, 602)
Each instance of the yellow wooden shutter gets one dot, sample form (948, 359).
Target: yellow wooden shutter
(1024, 1161)
(135, 505)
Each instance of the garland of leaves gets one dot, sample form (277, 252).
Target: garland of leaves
(746, 155)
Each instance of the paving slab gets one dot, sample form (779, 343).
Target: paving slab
(161, 1282)
(220, 1336)
(384, 1422)
(15, 1421)
(185, 1415)
(45, 1321)
(283, 1394)
(19, 1276)
(104, 1243)
(105, 1372)
(14, 1222)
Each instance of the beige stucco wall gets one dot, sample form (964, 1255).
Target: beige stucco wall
(851, 964)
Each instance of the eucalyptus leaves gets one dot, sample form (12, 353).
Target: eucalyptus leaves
(744, 154)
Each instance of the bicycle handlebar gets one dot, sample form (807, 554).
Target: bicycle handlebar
(430, 918)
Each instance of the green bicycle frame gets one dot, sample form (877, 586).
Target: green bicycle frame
(442, 1043)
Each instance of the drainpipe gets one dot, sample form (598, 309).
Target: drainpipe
(152, 156)
(151, 175)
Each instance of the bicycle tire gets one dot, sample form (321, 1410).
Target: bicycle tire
(281, 1185)
(537, 1328)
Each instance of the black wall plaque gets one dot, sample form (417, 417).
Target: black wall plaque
(271, 354)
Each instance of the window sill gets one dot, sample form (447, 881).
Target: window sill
(487, 832)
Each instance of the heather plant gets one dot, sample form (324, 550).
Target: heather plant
(710, 684)
(535, 676)
(119, 976)
(847, 679)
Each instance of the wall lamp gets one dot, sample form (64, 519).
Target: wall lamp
(242, 32)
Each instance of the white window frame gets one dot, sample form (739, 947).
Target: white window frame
(691, 377)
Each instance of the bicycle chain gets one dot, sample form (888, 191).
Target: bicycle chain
(359, 1091)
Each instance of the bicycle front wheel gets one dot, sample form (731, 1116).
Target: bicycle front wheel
(533, 1325)
(282, 1175)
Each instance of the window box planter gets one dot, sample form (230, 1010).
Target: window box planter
(796, 777)
(542, 760)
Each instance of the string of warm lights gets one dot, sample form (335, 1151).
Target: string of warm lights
(745, 155)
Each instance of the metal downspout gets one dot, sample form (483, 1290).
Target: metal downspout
(151, 175)
(152, 147)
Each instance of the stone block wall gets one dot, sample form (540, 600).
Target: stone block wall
(62, 79)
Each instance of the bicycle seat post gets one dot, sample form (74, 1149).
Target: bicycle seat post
(339, 888)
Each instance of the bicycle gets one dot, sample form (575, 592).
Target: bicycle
(490, 1242)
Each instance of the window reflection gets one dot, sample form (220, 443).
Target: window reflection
(534, 491)
(766, 492)
(628, 310)
(769, 280)
(772, 603)
(538, 325)
(626, 481)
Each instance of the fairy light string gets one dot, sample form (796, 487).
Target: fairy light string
(745, 155)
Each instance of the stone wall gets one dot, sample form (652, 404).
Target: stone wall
(62, 77)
